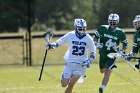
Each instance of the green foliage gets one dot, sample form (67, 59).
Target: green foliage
(37, 27)
(60, 14)
(55, 14)
(13, 15)
(126, 9)
(83, 9)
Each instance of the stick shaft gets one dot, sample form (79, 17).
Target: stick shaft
(125, 60)
(43, 65)
(130, 64)
(135, 57)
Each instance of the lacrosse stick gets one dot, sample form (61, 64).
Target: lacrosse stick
(113, 55)
(139, 68)
(48, 37)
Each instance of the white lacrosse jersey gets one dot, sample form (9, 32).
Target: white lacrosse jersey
(77, 48)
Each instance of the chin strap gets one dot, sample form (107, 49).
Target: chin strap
(112, 29)
(79, 36)
(138, 29)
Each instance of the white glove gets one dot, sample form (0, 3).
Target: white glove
(130, 55)
(51, 45)
(99, 45)
(47, 46)
(86, 63)
(121, 52)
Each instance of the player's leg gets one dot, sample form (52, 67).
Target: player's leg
(108, 70)
(105, 80)
(104, 64)
(64, 82)
(72, 82)
(102, 70)
(78, 71)
(66, 75)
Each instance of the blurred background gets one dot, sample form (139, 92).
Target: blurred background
(23, 24)
(60, 14)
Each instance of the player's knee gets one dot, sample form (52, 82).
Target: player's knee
(64, 83)
(107, 72)
(102, 70)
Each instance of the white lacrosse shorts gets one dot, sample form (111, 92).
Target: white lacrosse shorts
(73, 68)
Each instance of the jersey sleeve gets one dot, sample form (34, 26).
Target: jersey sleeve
(91, 46)
(98, 33)
(135, 44)
(124, 39)
(63, 40)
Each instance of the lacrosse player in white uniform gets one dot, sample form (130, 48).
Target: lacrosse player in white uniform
(77, 59)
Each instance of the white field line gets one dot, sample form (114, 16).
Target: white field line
(32, 87)
(23, 88)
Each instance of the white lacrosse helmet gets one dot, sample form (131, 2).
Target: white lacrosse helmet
(136, 22)
(113, 20)
(80, 26)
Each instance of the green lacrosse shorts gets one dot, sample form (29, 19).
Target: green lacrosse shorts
(105, 61)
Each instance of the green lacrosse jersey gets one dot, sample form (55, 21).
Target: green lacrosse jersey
(110, 39)
(136, 44)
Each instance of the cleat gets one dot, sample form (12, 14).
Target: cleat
(114, 66)
(100, 90)
(137, 66)
(81, 79)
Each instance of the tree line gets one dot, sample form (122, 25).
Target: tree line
(60, 14)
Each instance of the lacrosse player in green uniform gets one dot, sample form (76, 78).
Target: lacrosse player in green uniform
(107, 39)
(136, 44)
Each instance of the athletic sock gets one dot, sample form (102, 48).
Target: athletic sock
(103, 87)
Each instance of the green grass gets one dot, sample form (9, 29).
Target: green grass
(12, 51)
(21, 79)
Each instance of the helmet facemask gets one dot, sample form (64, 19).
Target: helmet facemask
(113, 21)
(81, 30)
(136, 23)
(80, 27)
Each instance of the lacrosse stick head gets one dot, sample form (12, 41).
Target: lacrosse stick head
(49, 35)
(113, 55)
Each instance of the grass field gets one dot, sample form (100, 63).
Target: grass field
(21, 79)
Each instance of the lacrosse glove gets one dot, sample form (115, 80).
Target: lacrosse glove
(99, 45)
(51, 45)
(86, 63)
(129, 56)
(122, 52)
